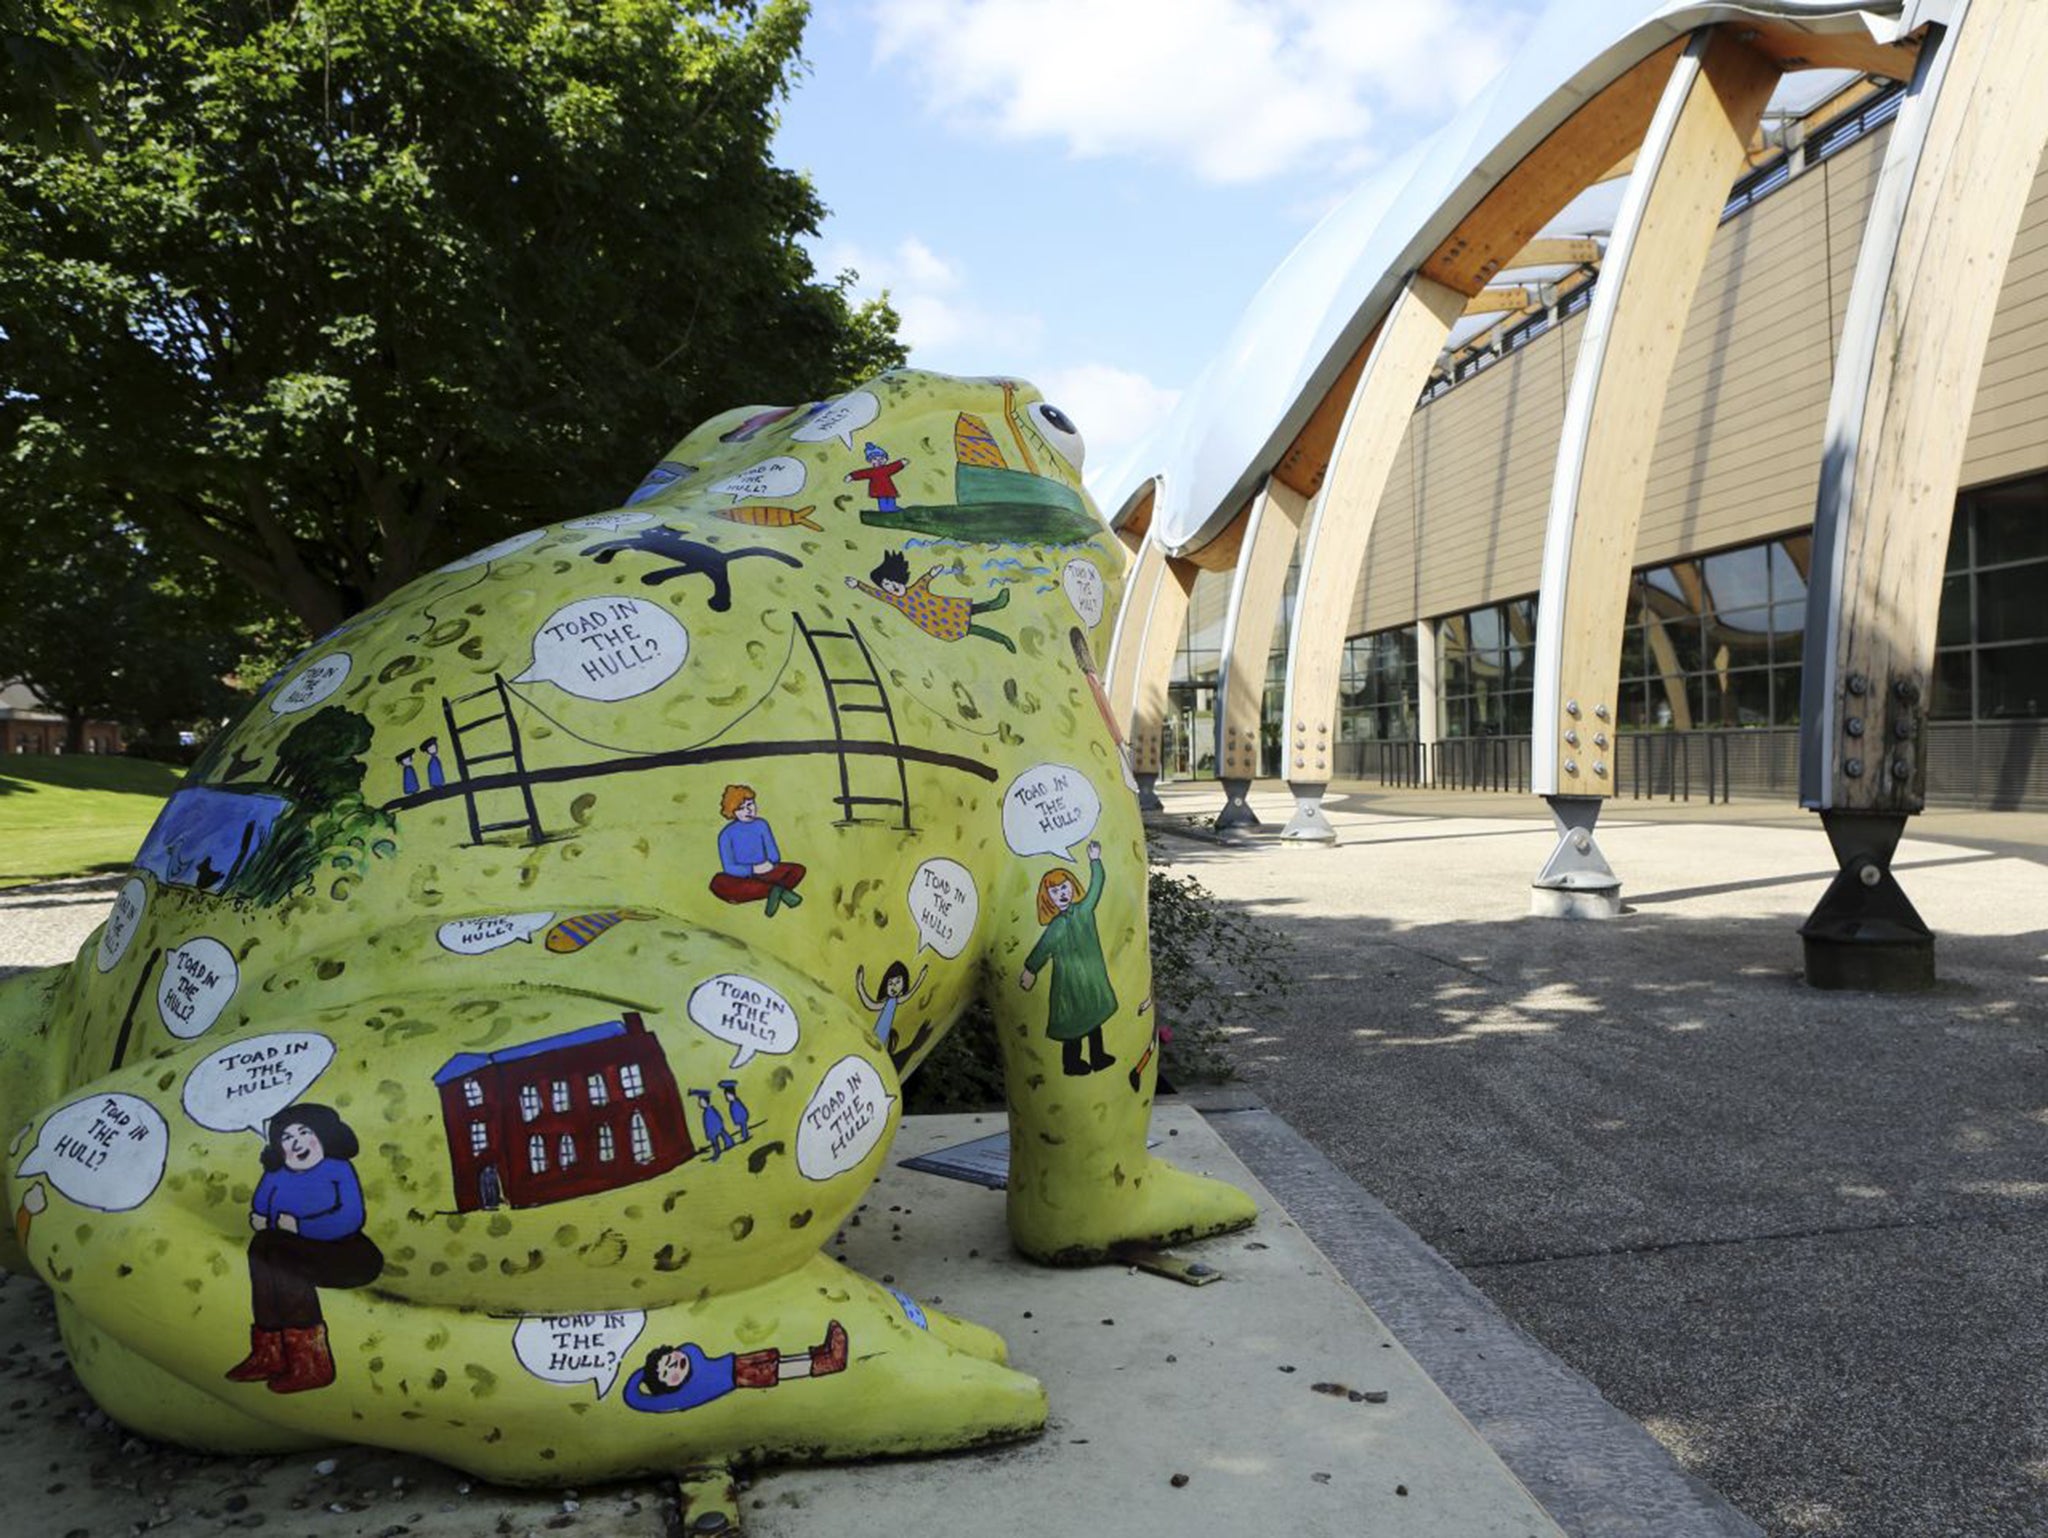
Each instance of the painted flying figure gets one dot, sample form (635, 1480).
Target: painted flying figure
(401, 1006)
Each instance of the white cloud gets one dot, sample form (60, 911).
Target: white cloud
(1235, 90)
(1113, 407)
(943, 326)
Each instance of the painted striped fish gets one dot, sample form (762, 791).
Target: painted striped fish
(572, 934)
(758, 515)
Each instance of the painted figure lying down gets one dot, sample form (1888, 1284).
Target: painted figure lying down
(482, 1048)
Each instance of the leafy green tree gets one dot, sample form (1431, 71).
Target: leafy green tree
(330, 291)
(104, 631)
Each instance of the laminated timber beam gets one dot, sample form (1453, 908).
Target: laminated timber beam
(1697, 144)
(1257, 586)
(1949, 202)
(1154, 646)
(1403, 351)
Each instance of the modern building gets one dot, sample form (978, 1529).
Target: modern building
(563, 1116)
(1678, 415)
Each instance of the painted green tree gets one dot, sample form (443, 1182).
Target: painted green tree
(330, 291)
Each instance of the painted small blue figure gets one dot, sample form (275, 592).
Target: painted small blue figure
(682, 1377)
(436, 775)
(409, 776)
(716, 1139)
(735, 1108)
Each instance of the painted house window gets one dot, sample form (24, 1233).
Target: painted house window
(472, 1092)
(560, 1096)
(629, 1081)
(529, 1102)
(479, 1137)
(565, 1150)
(537, 1154)
(643, 1145)
(607, 1145)
(600, 1094)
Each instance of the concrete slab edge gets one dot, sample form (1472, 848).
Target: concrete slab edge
(1594, 1469)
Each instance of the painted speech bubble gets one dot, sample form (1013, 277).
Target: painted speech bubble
(746, 1014)
(199, 978)
(612, 522)
(314, 683)
(105, 1151)
(477, 937)
(1083, 585)
(247, 1082)
(499, 551)
(1049, 809)
(608, 648)
(777, 477)
(944, 905)
(844, 1121)
(123, 919)
(577, 1348)
(842, 419)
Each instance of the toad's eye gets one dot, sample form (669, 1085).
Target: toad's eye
(1058, 429)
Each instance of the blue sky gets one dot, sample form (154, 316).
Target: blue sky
(1088, 192)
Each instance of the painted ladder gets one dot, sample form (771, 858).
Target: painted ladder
(465, 761)
(868, 680)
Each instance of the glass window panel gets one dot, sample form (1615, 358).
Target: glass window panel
(2012, 681)
(1521, 711)
(1738, 698)
(1738, 579)
(1959, 539)
(1951, 686)
(2012, 603)
(1664, 580)
(1635, 658)
(1632, 708)
(1682, 635)
(1746, 636)
(1785, 685)
(1953, 628)
(1787, 586)
(1488, 631)
(2012, 521)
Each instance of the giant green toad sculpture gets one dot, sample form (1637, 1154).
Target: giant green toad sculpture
(507, 1010)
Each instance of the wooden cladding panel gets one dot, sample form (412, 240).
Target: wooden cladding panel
(2009, 426)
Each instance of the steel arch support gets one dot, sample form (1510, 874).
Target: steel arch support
(1941, 229)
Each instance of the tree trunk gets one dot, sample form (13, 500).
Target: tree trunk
(74, 731)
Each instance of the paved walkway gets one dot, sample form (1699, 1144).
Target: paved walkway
(1799, 1235)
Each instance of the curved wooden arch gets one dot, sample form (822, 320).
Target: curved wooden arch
(1256, 588)
(1695, 149)
(1948, 207)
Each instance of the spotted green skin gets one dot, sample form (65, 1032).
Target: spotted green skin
(153, 1299)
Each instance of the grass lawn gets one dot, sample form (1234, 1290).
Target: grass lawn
(72, 814)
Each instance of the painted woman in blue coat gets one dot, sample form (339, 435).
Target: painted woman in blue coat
(308, 1216)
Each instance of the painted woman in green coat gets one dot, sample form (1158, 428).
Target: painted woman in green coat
(1082, 1000)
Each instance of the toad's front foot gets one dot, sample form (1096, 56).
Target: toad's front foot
(1066, 1223)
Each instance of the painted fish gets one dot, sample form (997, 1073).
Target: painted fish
(757, 515)
(572, 934)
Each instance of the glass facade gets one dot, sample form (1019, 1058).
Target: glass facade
(1485, 670)
(1991, 657)
(1379, 694)
(1715, 642)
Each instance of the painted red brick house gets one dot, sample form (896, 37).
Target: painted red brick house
(564, 1116)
